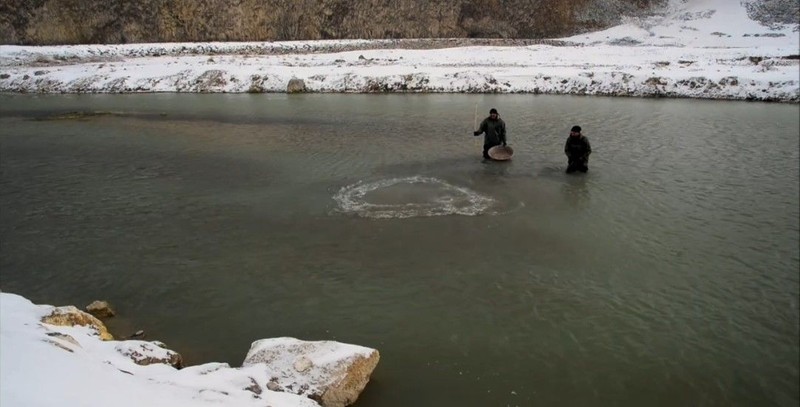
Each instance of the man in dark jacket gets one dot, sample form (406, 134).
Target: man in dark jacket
(577, 150)
(495, 129)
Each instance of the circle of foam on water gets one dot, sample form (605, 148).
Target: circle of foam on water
(462, 201)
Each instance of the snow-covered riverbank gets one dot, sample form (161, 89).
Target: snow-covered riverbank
(60, 356)
(699, 49)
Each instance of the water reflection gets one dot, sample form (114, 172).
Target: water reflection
(575, 190)
(497, 168)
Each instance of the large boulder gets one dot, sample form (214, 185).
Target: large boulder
(332, 373)
(147, 353)
(296, 86)
(72, 316)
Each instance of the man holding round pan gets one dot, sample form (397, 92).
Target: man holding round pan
(494, 129)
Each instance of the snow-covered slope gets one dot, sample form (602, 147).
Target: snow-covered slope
(692, 48)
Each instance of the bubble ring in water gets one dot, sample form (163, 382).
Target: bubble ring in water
(459, 201)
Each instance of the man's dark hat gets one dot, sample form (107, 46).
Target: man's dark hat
(493, 110)
(576, 129)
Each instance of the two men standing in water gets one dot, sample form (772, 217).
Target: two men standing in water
(577, 147)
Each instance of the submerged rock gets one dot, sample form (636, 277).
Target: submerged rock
(100, 309)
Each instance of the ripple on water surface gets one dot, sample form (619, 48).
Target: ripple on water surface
(410, 197)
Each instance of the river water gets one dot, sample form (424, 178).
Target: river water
(666, 275)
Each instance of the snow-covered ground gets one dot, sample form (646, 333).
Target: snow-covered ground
(47, 365)
(692, 48)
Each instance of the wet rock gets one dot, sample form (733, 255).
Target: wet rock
(72, 316)
(100, 309)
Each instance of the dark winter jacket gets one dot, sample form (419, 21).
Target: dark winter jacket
(578, 148)
(495, 131)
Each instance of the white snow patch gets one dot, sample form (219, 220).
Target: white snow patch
(42, 366)
(692, 48)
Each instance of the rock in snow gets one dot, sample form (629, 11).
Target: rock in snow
(330, 372)
(71, 316)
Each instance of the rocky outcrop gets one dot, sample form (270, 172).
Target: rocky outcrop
(39, 22)
(332, 373)
(72, 316)
(41, 353)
